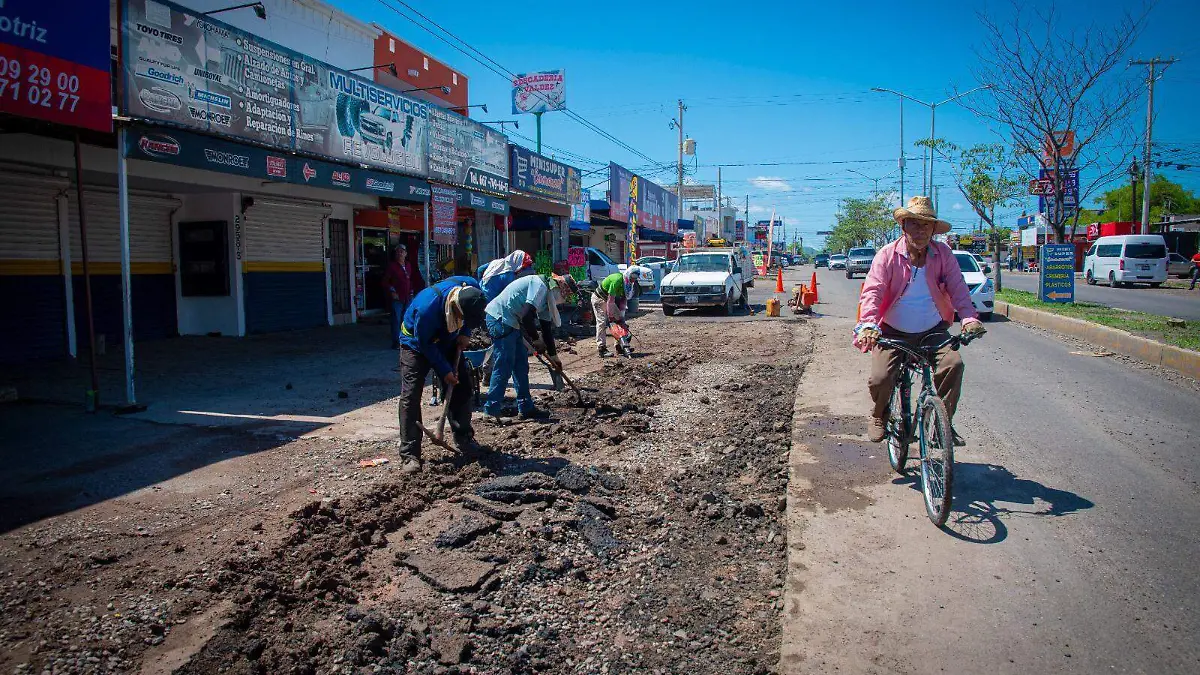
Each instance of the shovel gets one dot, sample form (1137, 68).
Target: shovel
(563, 374)
(441, 429)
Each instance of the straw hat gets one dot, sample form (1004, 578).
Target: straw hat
(921, 208)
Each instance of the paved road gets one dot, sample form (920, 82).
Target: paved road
(1162, 301)
(1073, 543)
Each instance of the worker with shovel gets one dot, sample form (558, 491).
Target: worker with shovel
(437, 327)
(525, 311)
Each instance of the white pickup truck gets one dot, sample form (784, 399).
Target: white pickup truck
(706, 278)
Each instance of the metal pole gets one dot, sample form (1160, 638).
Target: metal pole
(425, 246)
(720, 218)
(92, 394)
(679, 193)
(126, 293)
(901, 151)
(932, 135)
(1146, 168)
(538, 118)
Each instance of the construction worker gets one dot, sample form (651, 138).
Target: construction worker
(436, 328)
(525, 311)
(609, 304)
(501, 272)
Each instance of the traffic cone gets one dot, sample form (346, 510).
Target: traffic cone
(779, 281)
(813, 285)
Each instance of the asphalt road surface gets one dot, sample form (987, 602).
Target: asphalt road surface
(1161, 301)
(1073, 542)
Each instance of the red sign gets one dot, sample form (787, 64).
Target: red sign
(1041, 186)
(54, 62)
(277, 166)
(445, 215)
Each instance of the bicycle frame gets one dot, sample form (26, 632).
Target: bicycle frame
(914, 358)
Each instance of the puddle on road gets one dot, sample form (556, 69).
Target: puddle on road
(845, 461)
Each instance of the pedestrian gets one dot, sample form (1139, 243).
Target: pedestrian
(609, 305)
(436, 329)
(912, 291)
(503, 271)
(398, 285)
(526, 312)
(1012, 259)
(1195, 270)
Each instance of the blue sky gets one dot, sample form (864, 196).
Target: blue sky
(767, 82)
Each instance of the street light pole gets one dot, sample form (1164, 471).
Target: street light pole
(1153, 63)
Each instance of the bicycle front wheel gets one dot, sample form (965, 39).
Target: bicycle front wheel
(937, 459)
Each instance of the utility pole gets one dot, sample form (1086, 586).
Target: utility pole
(679, 124)
(1153, 64)
(720, 218)
(745, 217)
(1134, 174)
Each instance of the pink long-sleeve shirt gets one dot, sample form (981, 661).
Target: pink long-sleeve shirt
(891, 272)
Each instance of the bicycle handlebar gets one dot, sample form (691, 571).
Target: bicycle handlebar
(922, 352)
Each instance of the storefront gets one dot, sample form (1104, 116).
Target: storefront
(377, 232)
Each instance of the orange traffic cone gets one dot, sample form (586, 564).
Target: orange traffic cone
(779, 281)
(813, 286)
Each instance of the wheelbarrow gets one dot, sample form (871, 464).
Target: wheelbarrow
(479, 364)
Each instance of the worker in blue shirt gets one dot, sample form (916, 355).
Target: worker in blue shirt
(437, 325)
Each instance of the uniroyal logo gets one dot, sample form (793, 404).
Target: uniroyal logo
(277, 166)
(341, 178)
(158, 146)
(309, 172)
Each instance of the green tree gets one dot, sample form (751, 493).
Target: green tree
(1165, 197)
(861, 222)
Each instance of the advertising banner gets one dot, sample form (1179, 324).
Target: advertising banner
(54, 62)
(198, 73)
(444, 228)
(658, 209)
(183, 148)
(1057, 273)
(469, 199)
(739, 230)
(632, 241)
(539, 92)
(618, 192)
(581, 211)
(540, 175)
(466, 153)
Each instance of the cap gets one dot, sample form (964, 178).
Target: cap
(472, 303)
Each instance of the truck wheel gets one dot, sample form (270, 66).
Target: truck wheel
(668, 310)
(729, 304)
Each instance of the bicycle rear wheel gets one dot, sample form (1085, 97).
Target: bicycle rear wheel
(937, 459)
(897, 424)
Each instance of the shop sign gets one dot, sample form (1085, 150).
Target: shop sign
(182, 148)
(466, 153)
(658, 209)
(1057, 273)
(194, 72)
(539, 92)
(581, 210)
(618, 194)
(476, 200)
(739, 230)
(54, 62)
(445, 215)
(540, 175)
(634, 219)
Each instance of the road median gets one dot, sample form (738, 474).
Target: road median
(1087, 326)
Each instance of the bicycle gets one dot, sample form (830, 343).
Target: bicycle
(928, 424)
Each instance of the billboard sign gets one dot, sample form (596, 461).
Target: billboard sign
(1057, 273)
(191, 71)
(618, 192)
(658, 209)
(581, 210)
(445, 215)
(542, 176)
(466, 153)
(54, 62)
(183, 148)
(539, 92)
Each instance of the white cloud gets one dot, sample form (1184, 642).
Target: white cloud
(958, 206)
(771, 183)
(806, 189)
(758, 209)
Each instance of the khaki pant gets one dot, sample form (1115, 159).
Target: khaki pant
(885, 366)
(602, 322)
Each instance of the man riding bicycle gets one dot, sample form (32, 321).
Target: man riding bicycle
(912, 292)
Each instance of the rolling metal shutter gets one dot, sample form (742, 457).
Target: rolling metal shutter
(32, 291)
(150, 255)
(284, 263)
(284, 231)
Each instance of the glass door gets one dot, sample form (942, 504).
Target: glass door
(371, 264)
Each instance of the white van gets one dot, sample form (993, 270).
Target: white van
(1127, 259)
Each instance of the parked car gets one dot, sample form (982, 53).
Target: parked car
(1179, 266)
(983, 292)
(1127, 259)
(837, 261)
(707, 278)
(859, 261)
(820, 260)
(599, 265)
(647, 281)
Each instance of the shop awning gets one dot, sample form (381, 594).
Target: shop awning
(579, 226)
(657, 236)
(537, 205)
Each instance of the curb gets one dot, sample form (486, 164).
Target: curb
(1114, 340)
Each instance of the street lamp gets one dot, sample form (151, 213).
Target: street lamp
(875, 180)
(932, 120)
(259, 9)
(390, 67)
(483, 106)
(515, 123)
(443, 88)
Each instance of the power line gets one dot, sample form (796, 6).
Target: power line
(498, 69)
